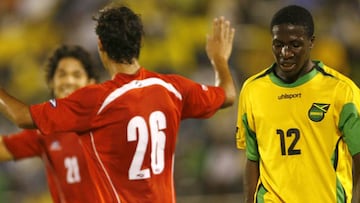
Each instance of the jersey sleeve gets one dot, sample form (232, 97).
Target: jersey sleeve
(245, 126)
(24, 144)
(349, 119)
(73, 113)
(199, 101)
(240, 135)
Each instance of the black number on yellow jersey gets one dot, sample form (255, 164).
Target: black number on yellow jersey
(291, 133)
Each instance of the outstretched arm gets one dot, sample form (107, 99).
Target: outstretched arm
(219, 48)
(15, 110)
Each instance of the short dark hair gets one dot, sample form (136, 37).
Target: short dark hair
(120, 31)
(294, 15)
(74, 51)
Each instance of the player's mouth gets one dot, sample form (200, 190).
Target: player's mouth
(287, 67)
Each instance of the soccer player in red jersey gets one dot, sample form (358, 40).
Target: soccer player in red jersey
(128, 125)
(68, 69)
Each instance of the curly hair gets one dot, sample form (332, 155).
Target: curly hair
(120, 31)
(295, 15)
(76, 52)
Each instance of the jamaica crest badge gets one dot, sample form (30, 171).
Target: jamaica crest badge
(317, 111)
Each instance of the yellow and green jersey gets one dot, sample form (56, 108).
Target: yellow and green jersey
(303, 134)
(344, 163)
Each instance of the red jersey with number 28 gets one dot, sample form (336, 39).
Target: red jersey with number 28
(63, 156)
(129, 128)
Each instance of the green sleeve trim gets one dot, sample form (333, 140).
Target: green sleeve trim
(340, 192)
(349, 125)
(252, 152)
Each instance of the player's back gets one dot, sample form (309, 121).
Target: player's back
(141, 118)
(138, 142)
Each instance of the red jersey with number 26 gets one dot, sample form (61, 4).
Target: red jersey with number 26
(129, 127)
(63, 156)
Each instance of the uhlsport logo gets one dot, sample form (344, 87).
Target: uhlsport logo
(317, 111)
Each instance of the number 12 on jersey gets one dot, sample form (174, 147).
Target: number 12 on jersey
(294, 135)
(137, 130)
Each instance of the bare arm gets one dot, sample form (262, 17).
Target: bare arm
(356, 189)
(5, 155)
(218, 48)
(251, 180)
(15, 110)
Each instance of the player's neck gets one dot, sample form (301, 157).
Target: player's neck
(129, 69)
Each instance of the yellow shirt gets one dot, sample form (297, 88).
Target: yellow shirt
(298, 132)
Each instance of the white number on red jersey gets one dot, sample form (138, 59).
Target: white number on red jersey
(73, 173)
(137, 130)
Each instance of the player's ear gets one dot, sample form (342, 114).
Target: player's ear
(312, 41)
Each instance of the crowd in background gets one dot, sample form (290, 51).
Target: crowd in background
(207, 162)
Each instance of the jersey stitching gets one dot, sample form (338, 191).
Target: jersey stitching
(103, 168)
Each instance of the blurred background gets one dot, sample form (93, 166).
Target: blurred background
(208, 167)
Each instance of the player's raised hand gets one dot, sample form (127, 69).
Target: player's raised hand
(220, 41)
(218, 48)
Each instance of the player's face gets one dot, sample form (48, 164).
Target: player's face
(291, 48)
(69, 76)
